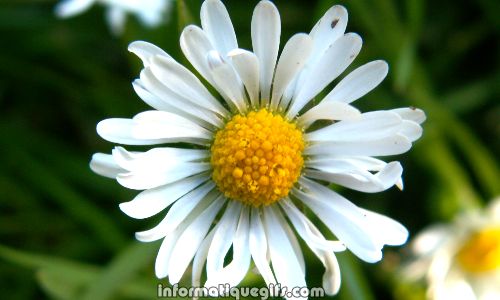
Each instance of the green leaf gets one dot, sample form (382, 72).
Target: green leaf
(66, 279)
(58, 285)
(37, 261)
(123, 268)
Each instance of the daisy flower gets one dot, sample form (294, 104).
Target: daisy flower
(149, 12)
(258, 158)
(460, 260)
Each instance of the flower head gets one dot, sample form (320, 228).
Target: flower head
(259, 156)
(460, 260)
(150, 12)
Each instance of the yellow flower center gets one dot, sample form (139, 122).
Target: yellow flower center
(481, 253)
(257, 158)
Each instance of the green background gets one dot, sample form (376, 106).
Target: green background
(62, 235)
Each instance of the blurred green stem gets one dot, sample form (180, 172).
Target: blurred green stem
(184, 16)
(354, 284)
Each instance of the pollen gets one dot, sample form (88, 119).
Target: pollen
(481, 253)
(257, 158)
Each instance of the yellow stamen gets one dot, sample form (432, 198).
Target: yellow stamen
(481, 253)
(257, 158)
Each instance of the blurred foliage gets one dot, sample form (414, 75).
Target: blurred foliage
(62, 234)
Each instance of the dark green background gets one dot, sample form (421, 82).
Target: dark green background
(62, 234)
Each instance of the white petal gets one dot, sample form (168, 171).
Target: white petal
(362, 180)
(177, 213)
(441, 263)
(291, 237)
(200, 258)
(454, 287)
(153, 131)
(146, 179)
(116, 17)
(69, 8)
(387, 230)
(306, 229)
(411, 113)
(331, 110)
(362, 162)
(224, 235)
(180, 80)
(342, 217)
(368, 163)
(195, 45)
(286, 264)
(258, 247)
(158, 166)
(391, 145)
(331, 278)
(317, 243)
(152, 201)
(152, 159)
(339, 164)
(190, 240)
(266, 31)
(105, 165)
(169, 119)
(165, 252)
(327, 30)
(292, 59)
(151, 13)
(428, 241)
(227, 80)
(359, 82)
(400, 184)
(335, 60)
(370, 126)
(412, 130)
(146, 51)
(290, 90)
(216, 23)
(172, 102)
(488, 288)
(246, 65)
(236, 270)
(149, 98)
